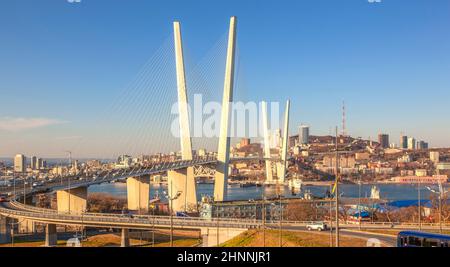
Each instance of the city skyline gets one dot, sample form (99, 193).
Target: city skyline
(75, 68)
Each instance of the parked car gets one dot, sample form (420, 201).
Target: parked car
(3, 199)
(318, 226)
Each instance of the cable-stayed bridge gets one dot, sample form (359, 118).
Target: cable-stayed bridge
(72, 193)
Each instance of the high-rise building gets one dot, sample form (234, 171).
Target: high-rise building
(422, 145)
(383, 139)
(304, 135)
(19, 163)
(404, 142)
(411, 143)
(39, 164)
(33, 163)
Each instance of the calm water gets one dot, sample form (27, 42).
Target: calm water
(387, 191)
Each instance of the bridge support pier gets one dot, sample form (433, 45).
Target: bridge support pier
(183, 181)
(27, 226)
(5, 230)
(212, 237)
(72, 201)
(125, 238)
(138, 193)
(51, 237)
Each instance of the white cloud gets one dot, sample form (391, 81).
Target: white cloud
(20, 124)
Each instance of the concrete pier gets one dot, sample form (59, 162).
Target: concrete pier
(72, 201)
(5, 230)
(51, 237)
(212, 237)
(138, 193)
(27, 226)
(183, 181)
(125, 238)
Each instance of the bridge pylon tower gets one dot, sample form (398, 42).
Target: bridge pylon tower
(223, 152)
(183, 180)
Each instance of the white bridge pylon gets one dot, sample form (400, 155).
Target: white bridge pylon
(182, 182)
(223, 151)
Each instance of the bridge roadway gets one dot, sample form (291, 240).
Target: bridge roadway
(21, 211)
(17, 210)
(73, 182)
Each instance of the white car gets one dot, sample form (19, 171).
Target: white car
(318, 226)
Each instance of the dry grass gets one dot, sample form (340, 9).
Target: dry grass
(254, 238)
(182, 238)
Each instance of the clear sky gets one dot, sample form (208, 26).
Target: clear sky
(62, 65)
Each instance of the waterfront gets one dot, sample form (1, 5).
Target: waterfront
(235, 192)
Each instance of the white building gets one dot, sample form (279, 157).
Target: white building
(434, 156)
(19, 163)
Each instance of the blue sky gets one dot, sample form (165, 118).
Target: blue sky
(62, 65)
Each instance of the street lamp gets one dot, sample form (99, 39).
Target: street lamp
(68, 177)
(331, 216)
(24, 190)
(281, 222)
(171, 198)
(337, 188)
(440, 194)
(263, 215)
(419, 205)
(359, 202)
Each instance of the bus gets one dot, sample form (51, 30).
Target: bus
(422, 239)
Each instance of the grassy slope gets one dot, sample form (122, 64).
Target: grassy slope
(254, 238)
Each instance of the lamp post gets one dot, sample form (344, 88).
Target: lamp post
(14, 186)
(171, 198)
(337, 189)
(153, 226)
(218, 223)
(440, 194)
(263, 213)
(68, 177)
(331, 216)
(419, 206)
(24, 191)
(281, 221)
(359, 202)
